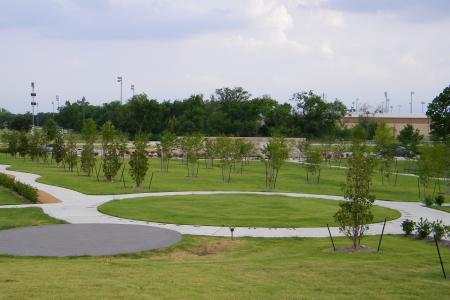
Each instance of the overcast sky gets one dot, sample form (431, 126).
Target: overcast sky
(171, 49)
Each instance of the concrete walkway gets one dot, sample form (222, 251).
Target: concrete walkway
(78, 208)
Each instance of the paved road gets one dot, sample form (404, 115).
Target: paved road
(84, 239)
(78, 208)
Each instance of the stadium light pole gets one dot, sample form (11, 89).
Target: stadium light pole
(132, 89)
(423, 103)
(57, 102)
(120, 80)
(386, 105)
(411, 103)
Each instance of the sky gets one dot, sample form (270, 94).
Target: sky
(170, 49)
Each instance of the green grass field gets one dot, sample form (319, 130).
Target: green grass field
(215, 268)
(442, 208)
(292, 178)
(7, 197)
(234, 210)
(28, 216)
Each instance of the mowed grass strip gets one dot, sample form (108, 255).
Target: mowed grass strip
(216, 268)
(7, 197)
(292, 178)
(234, 210)
(28, 216)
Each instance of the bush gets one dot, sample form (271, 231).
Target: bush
(6, 181)
(439, 200)
(439, 229)
(408, 226)
(428, 201)
(423, 228)
(25, 190)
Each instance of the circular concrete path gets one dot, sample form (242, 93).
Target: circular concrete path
(79, 208)
(84, 239)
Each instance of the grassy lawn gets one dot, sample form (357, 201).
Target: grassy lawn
(28, 216)
(7, 197)
(292, 178)
(234, 210)
(442, 208)
(215, 268)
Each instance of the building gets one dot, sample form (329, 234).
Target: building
(396, 121)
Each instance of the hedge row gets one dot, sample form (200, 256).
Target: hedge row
(25, 190)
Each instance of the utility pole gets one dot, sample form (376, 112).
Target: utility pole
(33, 102)
(132, 88)
(410, 103)
(57, 102)
(386, 105)
(120, 80)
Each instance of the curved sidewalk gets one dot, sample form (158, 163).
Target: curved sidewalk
(78, 208)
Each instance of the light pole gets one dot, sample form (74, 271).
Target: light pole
(120, 80)
(410, 103)
(386, 106)
(33, 102)
(423, 103)
(57, 102)
(356, 105)
(132, 88)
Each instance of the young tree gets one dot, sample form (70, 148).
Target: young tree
(59, 150)
(11, 137)
(192, 145)
(23, 147)
(385, 141)
(71, 157)
(314, 158)
(276, 152)
(139, 160)
(50, 129)
(111, 157)
(225, 148)
(302, 147)
(89, 133)
(210, 152)
(410, 139)
(355, 213)
(165, 148)
(434, 164)
(35, 146)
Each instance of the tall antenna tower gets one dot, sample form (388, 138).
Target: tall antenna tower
(33, 102)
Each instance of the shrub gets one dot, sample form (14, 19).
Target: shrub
(423, 228)
(25, 190)
(439, 229)
(439, 200)
(6, 181)
(408, 226)
(428, 201)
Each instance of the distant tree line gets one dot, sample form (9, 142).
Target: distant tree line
(229, 112)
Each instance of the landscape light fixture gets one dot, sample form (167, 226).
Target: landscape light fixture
(33, 102)
(410, 103)
(120, 80)
(132, 88)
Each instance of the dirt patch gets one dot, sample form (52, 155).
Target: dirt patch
(46, 198)
(361, 249)
(11, 176)
(210, 248)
